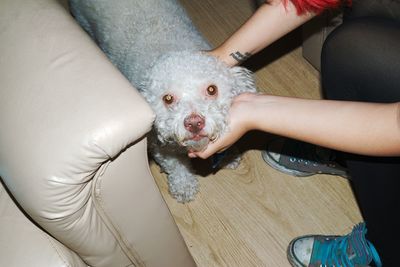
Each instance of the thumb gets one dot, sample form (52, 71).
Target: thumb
(212, 148)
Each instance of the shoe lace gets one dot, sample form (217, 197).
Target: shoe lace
(346, 251)
(310, 153)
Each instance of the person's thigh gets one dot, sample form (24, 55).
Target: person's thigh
(361, 61)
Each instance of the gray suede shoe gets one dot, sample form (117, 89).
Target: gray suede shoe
(301, 159)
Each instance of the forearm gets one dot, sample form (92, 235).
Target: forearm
(269, 23)
(363, 128)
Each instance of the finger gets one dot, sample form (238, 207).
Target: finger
(209, 151)
(192, 155)
(202, 154)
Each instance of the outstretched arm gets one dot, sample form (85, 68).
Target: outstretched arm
(355, 127)
(270, 22)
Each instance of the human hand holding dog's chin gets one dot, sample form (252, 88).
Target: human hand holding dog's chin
(240, 122)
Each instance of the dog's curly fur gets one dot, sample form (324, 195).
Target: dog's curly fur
(156, 46)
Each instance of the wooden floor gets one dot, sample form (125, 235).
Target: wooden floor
(246, 217)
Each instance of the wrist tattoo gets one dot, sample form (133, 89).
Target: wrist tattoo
(239, 57)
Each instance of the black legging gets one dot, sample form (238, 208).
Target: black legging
(361, 62)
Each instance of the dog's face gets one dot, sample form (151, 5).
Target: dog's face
(191, 93)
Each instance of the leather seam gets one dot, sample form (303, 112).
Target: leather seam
(99, 204)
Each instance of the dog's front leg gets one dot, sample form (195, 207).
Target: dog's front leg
(182, 182)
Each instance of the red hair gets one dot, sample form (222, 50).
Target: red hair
(316, 6)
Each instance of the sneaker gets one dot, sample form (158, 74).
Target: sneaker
(352, 250)
(301, 159)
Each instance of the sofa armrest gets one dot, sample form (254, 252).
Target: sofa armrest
(65, 111)
(23, 244)
(136, 208)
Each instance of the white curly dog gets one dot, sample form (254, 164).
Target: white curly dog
(157, 47)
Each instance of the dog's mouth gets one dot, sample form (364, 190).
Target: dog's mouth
(197, 137)
(200, 136)
(198, 142)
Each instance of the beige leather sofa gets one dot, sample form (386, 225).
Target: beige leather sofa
(76, 189)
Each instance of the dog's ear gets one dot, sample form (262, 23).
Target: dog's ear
(243, 81)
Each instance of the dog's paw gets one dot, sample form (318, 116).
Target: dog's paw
(183, 189)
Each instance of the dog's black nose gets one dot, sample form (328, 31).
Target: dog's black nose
(194, 123)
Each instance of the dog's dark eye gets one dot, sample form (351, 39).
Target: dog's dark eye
(212, 90)
(168, 99)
